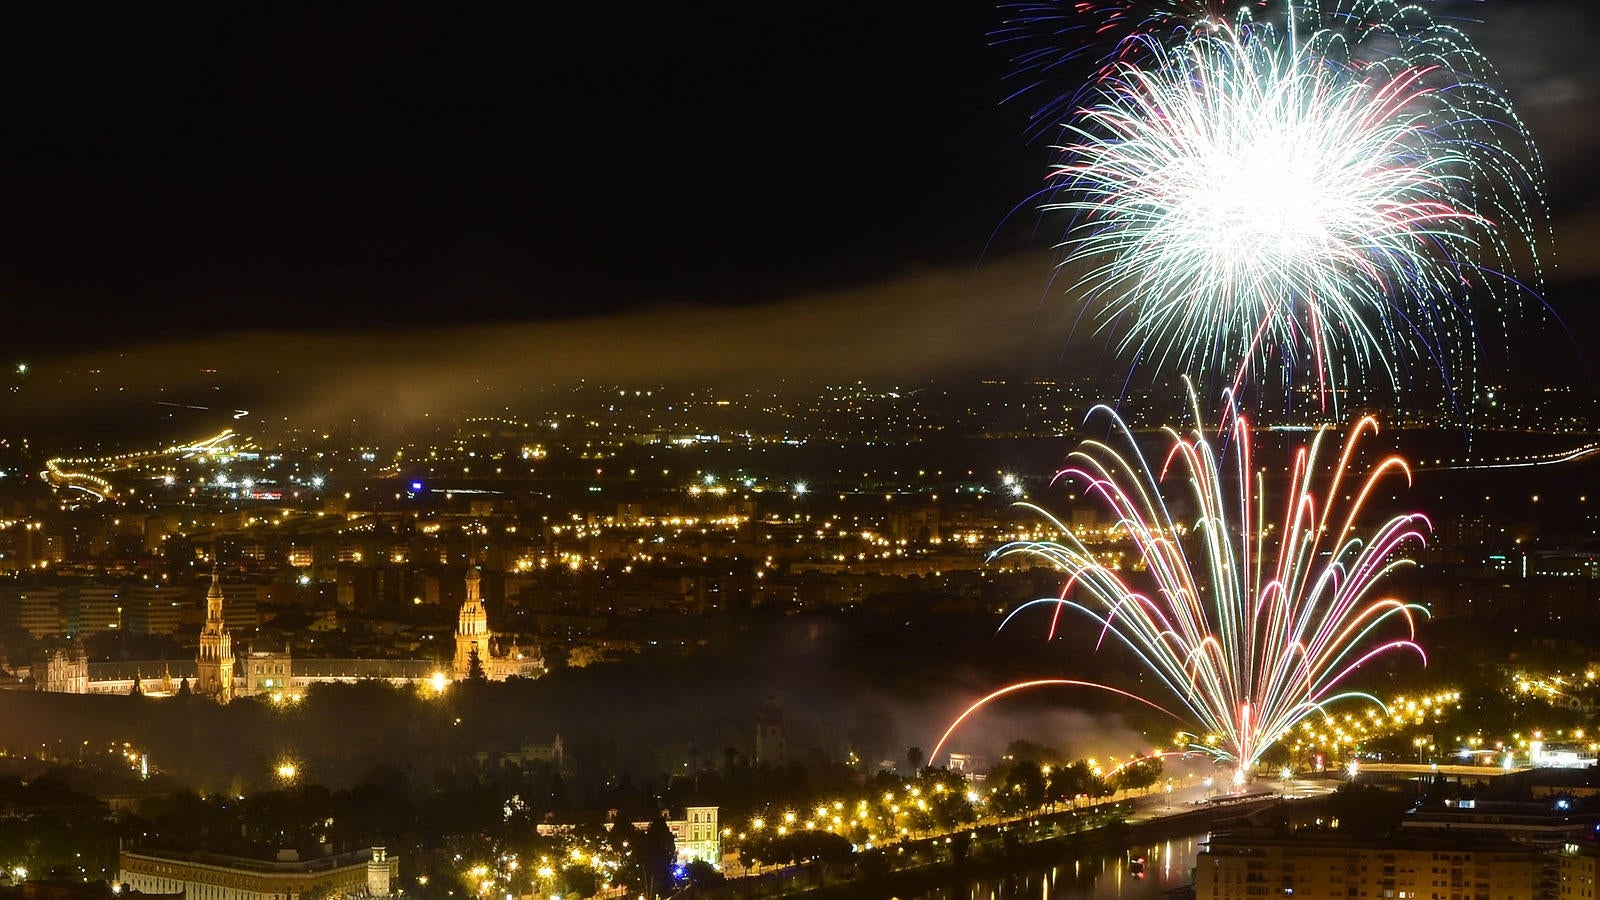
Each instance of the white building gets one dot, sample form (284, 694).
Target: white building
(211, 876)
(696, 835)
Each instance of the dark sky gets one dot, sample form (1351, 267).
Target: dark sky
(217, 166)
(173, 170)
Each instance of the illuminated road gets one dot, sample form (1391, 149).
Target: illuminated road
(80, 473)
(1560, 457)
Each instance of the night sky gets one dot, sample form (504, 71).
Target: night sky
(220, 168)
(173, 172)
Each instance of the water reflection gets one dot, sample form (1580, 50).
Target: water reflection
(1169, 865)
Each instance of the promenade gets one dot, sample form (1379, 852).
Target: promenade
(998, 843)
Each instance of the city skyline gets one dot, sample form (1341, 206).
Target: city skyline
(702, 451)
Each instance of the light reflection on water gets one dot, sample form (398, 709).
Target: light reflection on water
(1169, 865)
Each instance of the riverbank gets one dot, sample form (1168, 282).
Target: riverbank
(917, 867)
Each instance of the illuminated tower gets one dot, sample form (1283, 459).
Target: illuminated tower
(214, 665)
(472, 629)
(379, 873)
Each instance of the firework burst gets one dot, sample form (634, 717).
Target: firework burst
(1335, 205)
(1251, 621)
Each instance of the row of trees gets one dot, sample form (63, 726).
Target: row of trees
(1032, 775)
(825, 826)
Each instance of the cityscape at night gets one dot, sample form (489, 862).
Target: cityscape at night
(1052, 449)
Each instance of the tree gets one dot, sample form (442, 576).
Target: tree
(1075, 779)
(1019, 750)
(914, 757)
(1139, 775)
(702, 874)
(1023, 788)
(799, 846)
(960, 846)
(475, 673)
(657, 852)
(578, 657)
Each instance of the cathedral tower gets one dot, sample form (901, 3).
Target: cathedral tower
(472, 628)
(214, 665)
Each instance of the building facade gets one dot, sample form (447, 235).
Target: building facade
(697, 835)
(1577, 872)
(218, 674)
(1249, 864)
(63, 670)
(210, 876)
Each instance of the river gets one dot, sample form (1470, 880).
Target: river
(1169, 864)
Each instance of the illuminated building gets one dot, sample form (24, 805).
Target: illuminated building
(473, 636)
(64, 671)
(1547, 822)
(36, 611)
(154, 609)
(472, 628)
(266, 672)
(696, 835)
(1252, 862)
(211, 876)
(214, 664)
(1577, 872)
(381, 873)
(99, 609)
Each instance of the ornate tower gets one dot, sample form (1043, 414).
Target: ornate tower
(214, 665)
(472, 628)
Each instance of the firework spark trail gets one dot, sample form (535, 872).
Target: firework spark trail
(1251, 193)
(1253, 622)
(1028, 685)
(1053, 42)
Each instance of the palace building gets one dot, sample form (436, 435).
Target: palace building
(213, 876)
(218, 674)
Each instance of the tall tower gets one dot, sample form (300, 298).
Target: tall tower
(214, 665)
(472, 628)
